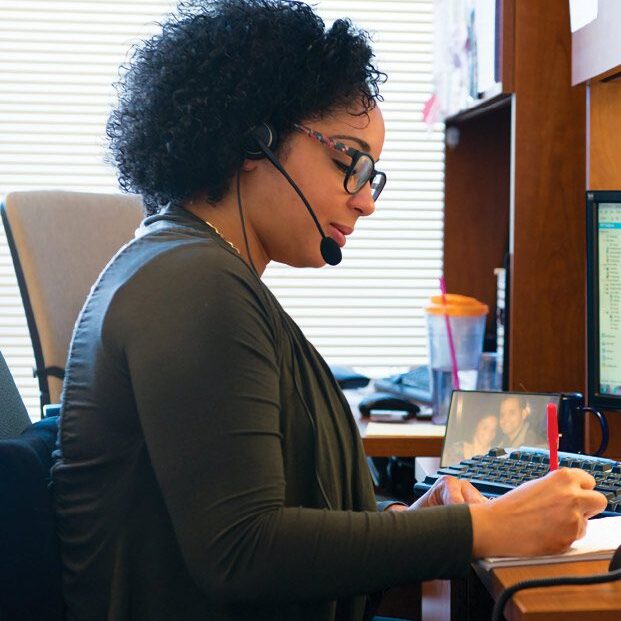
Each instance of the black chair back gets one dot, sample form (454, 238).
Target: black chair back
(30, 570)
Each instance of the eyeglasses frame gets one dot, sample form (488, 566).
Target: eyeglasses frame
(355, 155)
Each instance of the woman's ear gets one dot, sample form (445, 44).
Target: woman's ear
(249, 165)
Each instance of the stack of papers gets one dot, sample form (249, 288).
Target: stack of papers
(602, 538)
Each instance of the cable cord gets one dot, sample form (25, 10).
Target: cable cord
(507, 594)
(330, 251)
(278, 166)
(243, 225)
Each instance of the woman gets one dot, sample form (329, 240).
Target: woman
(480, 442)
(482, 438)
(210, 467)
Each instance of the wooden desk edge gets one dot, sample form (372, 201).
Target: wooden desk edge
(532, 604)
(407, 446)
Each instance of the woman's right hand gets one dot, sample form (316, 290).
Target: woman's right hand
(544, 516)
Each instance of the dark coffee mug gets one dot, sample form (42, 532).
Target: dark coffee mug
(571, 413)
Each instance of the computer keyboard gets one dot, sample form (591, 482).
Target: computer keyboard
(498, 472)
(413, 385)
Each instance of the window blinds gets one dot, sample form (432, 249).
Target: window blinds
(58, 60)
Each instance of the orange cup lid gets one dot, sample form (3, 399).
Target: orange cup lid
(458, 305)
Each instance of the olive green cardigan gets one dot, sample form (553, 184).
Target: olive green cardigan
(209, 466)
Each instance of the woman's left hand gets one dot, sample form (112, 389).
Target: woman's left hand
(448, 490)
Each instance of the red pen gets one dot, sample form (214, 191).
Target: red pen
(553, 436)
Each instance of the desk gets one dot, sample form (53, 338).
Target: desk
(387, 446)
(472, 598)
(401, 446)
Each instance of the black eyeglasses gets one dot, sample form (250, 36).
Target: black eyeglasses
(360, 171)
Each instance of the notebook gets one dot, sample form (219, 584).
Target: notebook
(603, 537)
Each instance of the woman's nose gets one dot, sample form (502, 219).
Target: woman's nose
(363, 201)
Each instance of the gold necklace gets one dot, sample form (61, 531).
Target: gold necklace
(219, 234)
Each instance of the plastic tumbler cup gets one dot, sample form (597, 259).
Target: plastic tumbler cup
(467, 318)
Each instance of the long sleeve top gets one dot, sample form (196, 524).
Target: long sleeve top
(209, 466)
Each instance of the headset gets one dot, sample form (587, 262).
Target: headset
(261, 141)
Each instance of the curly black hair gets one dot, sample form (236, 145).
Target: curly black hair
(189, 95)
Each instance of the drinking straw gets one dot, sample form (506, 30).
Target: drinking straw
(454, 369)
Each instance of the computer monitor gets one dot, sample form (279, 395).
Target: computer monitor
(604, 299)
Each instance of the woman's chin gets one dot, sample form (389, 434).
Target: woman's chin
(310, 259)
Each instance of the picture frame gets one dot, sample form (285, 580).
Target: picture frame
(481, 420)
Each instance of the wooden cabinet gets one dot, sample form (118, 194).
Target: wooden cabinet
(597, 48)
(517, 168)
(514, 183)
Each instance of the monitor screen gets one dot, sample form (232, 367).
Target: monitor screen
(604, 298)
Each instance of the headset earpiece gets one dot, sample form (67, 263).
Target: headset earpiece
(262, 134)
(261, 142)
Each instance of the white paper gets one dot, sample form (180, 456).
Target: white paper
(603, 537)
(485, 27)
(581, 13)
(451, 67)
(426, 430)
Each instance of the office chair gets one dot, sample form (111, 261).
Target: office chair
(30, 569)
(13, 415)
(59, 242)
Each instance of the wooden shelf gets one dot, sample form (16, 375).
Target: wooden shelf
(503, 65)
(492, 101)
(476, 204)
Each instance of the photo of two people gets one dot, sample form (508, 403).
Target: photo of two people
(479, 421)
